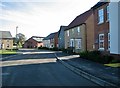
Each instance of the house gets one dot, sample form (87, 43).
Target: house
(114, 21)
(34, 42)
(79, 35)
(61, 40)
(102, 32)
(6, 40)
(51, 40)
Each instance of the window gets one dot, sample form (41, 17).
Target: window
(78, 30)
(73, 31)
(71, 42)
(100, 16)
(108, 41)
(7, 45)
(67, 32)
(107, 13)
(7, 40)
(78, 43)
(101, 41)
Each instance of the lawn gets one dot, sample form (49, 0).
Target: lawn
(113, 65)
(7, 51)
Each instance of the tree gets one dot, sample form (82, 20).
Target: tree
(20, 39)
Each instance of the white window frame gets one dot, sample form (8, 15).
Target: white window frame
(72, 43)
(68, 33)
(108, 41)
(108, 13)
(100, 16)
(73, 31)
(78, 30)
(101, 41)
(78, 43)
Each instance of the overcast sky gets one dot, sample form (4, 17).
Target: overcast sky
(40, 17)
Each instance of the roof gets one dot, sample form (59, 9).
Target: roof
(37, 38)
(62, 28)
(5, 34)
(79, 19)
(98, 5)
(50, 36)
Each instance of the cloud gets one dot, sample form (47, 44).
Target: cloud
(40, 18)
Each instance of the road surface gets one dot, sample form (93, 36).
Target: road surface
(39, 68)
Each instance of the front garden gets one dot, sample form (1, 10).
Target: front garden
(98, 57)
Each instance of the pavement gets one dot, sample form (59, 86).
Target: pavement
(98, 73)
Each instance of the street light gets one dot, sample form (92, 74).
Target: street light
(16, 37)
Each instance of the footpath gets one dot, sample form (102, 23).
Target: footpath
(98, 73)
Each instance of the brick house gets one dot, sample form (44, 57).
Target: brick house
(79, 34)
(34, 42)
(6, 40)
(51, 40)
(102, 32)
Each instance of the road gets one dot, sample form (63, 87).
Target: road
(39, 68)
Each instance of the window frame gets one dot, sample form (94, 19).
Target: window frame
(101, 41)
(108, 41)
(100, 16)
(78, 43)
(108, 12)
(68, 33)
(78, 30)
(72, 44)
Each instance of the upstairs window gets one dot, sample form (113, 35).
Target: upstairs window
(100, 16)
(73, 30)
(78, 30)
(108, 13)
(67, 32)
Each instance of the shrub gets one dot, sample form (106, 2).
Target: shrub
(96, 56)
(43, 48)
(107, 59)
(54, 49)
(115, 61)
(64, 50)
(84, 54)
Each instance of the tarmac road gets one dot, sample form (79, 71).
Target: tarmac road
(39, 68)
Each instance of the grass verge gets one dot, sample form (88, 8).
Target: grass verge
(7, 51)
(113, 65)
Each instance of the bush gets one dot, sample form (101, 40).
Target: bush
(107, 59)
(84, 54)
(115, 61)
(96, 56)
(64, 50)
(54, 49)
(43, 48)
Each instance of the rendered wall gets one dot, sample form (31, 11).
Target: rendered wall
(114, 27)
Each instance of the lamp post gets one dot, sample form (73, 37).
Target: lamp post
(16, 37)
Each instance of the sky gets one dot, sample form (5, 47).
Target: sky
(40, 17)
